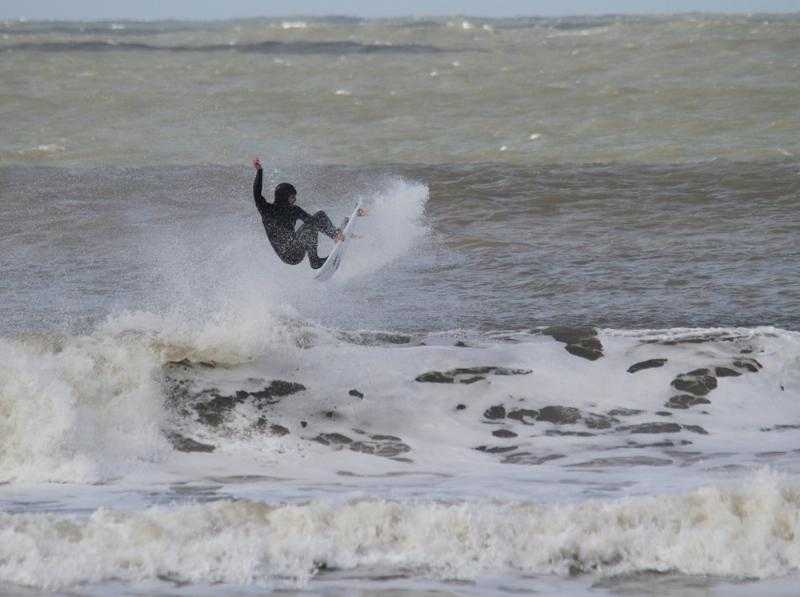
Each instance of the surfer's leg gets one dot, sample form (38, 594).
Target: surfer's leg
(319, 222)
(307, 237)
(323, 223)
(293, 256)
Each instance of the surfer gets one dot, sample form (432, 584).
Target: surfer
(280, 217)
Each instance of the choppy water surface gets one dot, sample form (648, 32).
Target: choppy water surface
(485, 246)
(563, 355)
(647, 90)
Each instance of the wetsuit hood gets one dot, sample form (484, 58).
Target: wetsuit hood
(282, 193)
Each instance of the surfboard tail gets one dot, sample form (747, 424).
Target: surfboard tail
(334, 259)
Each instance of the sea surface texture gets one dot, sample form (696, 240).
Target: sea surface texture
(562, 354)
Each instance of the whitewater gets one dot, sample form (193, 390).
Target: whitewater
(230, 439)
(561, 357)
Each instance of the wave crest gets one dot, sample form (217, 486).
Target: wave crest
(739, 532)
(84, 410)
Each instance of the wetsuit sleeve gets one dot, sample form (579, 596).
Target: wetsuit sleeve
(261, 203)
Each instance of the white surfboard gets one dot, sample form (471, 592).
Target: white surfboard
(335, 258)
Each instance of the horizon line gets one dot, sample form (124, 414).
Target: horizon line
(782, 13)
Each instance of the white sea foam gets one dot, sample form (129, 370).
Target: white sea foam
(744, 531)
(294, 25)
(42, 150)
(89, 408)
(579, 32)
(84, 410)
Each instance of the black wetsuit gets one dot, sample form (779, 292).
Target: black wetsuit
(279, 220)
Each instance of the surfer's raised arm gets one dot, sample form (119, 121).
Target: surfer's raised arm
(261, 203)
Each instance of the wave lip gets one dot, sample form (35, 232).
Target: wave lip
(734, 533)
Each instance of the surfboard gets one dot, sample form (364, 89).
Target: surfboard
(337, 254)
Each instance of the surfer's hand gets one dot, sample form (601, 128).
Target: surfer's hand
(339, 236)
(257, 163)
(362, 211)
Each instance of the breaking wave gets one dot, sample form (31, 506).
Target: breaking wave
(96, 407)
(81, 409)
(745, 531)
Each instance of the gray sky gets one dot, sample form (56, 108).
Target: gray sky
(198, 9)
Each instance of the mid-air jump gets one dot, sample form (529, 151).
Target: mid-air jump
(279, 220)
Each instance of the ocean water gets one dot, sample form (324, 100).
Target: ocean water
(562, 356)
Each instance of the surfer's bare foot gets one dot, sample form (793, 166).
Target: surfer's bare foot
(339, 236)
(362, 211)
